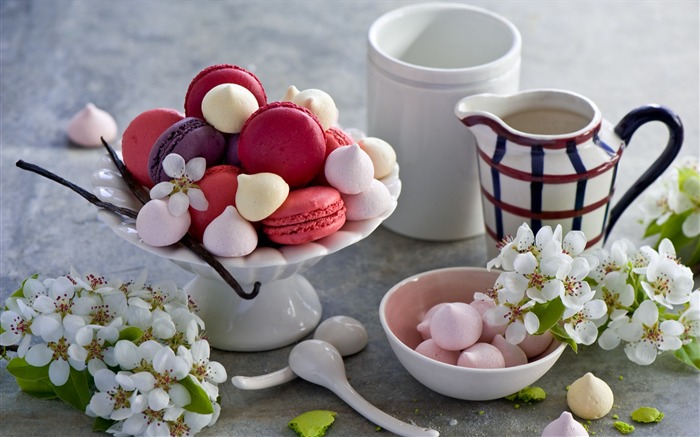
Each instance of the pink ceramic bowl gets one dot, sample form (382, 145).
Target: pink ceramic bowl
(403, 307)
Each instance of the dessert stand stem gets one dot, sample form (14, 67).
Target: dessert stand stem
(285, 310)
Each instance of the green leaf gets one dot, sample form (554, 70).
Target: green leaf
(690, 354)
(673, 226)
(102, 425)
(130, 333)
(39, 388)
(653, 229)
(76, 391)
(548, 313)
(200, 400)
(560, 334)
(19, 368)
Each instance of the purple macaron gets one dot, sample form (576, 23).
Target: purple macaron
(190, 137)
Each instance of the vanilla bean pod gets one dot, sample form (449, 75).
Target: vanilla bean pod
(124, 212)
(187, 240)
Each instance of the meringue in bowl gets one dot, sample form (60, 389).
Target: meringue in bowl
(404, 306)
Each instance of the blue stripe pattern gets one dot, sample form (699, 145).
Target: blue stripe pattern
(498, 155)
(537, 164)
(572, 153)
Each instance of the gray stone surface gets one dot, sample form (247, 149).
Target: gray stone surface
(129, 56)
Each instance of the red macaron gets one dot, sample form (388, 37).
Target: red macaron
(219, 74)
(285, 139)
(307, 214)
(219, 185)
(139, 137)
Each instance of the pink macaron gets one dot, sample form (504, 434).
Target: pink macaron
(307, 214)
(215, 75)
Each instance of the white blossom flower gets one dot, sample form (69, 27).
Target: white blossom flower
(78, 321)
(16, 326)
(208, 373)
(575, 291)
(614, 260)
(667, 282)
(582, 325)
(646, 337)
(182, 190)
(687, 198)
(617, 294)
(521, 321)
(116, 391)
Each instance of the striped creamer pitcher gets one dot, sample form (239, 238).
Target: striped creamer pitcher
(548, 157)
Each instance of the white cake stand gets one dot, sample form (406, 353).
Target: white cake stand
(287, 307)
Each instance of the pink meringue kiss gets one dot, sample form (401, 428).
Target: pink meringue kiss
(369, 203)
(230, 235)
(432, 350)
(349, 169)
(456, 326)
(89, 124)
(512, 354)
(157, 227)
(534, 345)
(482, 356)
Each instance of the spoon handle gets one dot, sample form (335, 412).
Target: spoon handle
(263, 381)
(344, 391)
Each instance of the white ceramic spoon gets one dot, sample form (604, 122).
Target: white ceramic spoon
(319, 362)
(348, 335)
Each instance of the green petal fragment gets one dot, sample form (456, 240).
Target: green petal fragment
(200, 402)
(624, 428)
(130, 333)
(312, 423)
(528, 395)
(647, 415)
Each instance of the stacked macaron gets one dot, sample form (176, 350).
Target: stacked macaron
(457, 333)
(236, 171)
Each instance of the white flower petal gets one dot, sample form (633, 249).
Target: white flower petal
(197, 199)
(44, 304)
(143, 381)
(39, 355)
(216, 372)
(195, 168)
(59, 371)
(178, 204)
(161, 190)
(179, 395)
(174, 165)
(158, 399)
(127, 354)
(102, 404)
(647, 313)
(691, 225)
(609, 339)
(515, 333)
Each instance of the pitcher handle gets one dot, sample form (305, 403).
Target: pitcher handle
(625, 129)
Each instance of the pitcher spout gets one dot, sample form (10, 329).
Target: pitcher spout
(534, 116)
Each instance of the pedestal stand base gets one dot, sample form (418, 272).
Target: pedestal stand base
(285, 310)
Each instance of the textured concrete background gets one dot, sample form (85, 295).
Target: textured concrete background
(129, 56)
